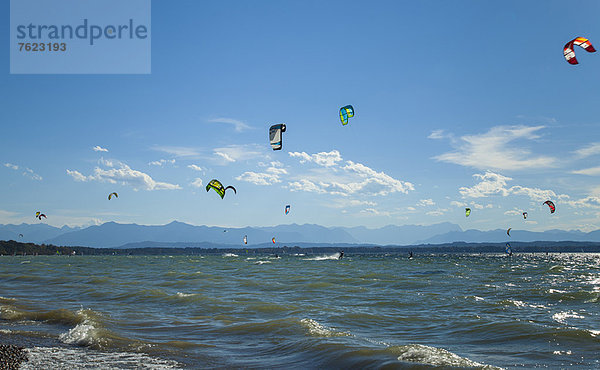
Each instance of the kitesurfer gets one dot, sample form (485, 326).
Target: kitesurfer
(341, 255)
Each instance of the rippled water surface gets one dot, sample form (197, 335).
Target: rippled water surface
(303, 311)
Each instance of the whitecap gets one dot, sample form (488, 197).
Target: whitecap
(73, 358)
(230, 255)
(318, 330)
(561, 317)
(334, 256)
(434, 356)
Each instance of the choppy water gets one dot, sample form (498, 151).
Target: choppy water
(303, 311)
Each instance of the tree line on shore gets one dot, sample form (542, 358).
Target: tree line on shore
(11, 247)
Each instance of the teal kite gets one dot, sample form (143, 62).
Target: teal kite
(345, 113)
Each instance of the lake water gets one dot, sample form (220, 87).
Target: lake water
(303, 311)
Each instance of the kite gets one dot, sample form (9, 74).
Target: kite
(41, 215)
(246, 240)
(111, 195)
(525, 215)
(467, 212)
(20, 235)
(345, 113)
(273, 240)
(570, 53)
(275, 136)
(37, 214)
(218, 187)
(551, 205)
(508, 231)
(287, 209)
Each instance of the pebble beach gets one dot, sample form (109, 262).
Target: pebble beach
(11, 357)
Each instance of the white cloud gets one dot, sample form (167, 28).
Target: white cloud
(197, 183)
(458, 204)
(239, 126)
(98, 148)
(490, 184)
(270, 177)
(258, 178)
(123, 175)
(106, 162)
(513, 212)
(11, 166)
(425, 203)
(347, 179)
(27, 172)
(179, 151)
(376, 212)
(345, 203)
(492, 150)
(436, 134)
(235, 153)
(588, 151)
(593, 171)
(196, 168)
(77, 176)
(390, 184)
(305, 185)
(326, 159)
(161, 162)
(496, 184)
(587, 202)
(225, 156)
(535, 193)
(437, 212)
(354, 203)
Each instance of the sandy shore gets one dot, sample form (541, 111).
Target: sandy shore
(11, 356)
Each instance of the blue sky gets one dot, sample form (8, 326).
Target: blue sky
(458, 104)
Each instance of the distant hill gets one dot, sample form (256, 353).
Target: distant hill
(115, 235)
(32, 233)
(400, 235)
(499, 235)
(111, 234)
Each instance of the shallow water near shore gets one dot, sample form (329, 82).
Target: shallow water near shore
(310, 311)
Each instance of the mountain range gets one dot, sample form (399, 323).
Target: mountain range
(115, 235)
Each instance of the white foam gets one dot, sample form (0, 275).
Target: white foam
(73, 358)
(561, 352)
(434, 356)
(561, 317)
(82, 335)
(334, 256)
(179, 294)
(318, 330)
(85, 333)
(261, 262)
(552, 291)
(230, 255)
